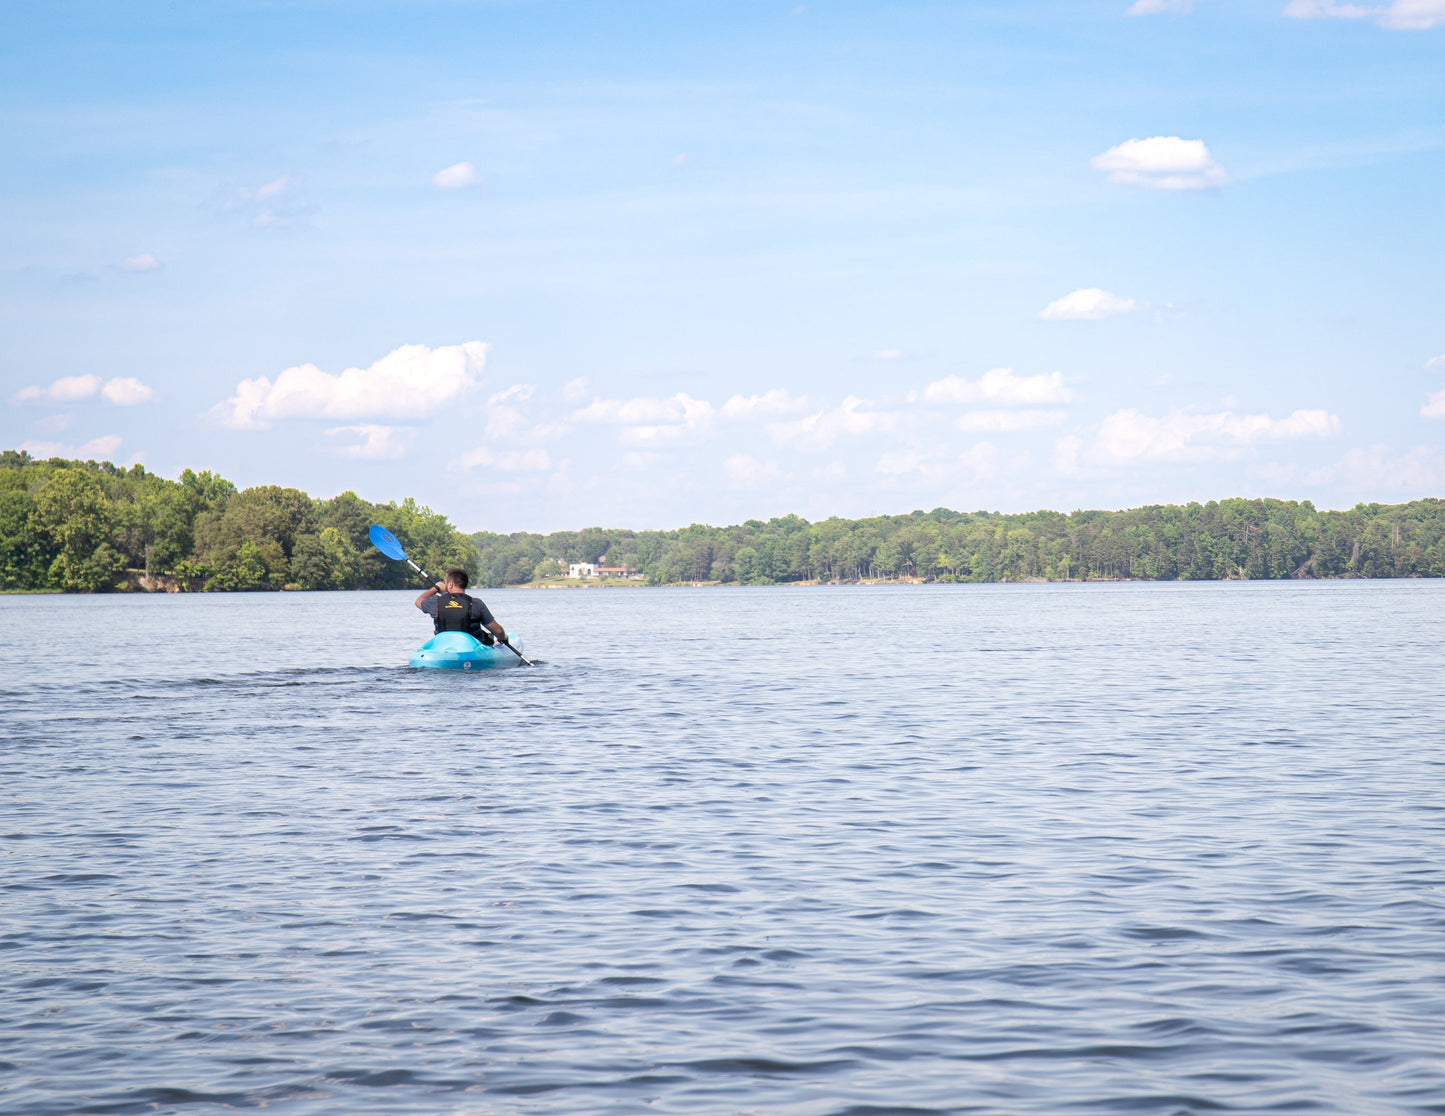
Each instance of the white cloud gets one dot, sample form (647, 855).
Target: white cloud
(1006, 422)
(146, 261)
(1001, 386)
(771, 404)
(410, 382)
(744, 471)
(1434, 407)
(650, 421)
(823, 428)
(272, 188)
(456, 177)
(67, 389)
(378, 443)
(575, 391)
(126, 391)
(1401, 15)
(1161, 163)
(507, 461)
(1128, 436)
(1155, 7)
(1089, 304)
(102, 447)
(1436, 362)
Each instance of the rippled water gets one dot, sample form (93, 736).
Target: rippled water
(973, 849)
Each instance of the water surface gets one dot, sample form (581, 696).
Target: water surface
(941, 849)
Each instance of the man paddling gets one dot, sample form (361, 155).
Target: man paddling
(448, 604)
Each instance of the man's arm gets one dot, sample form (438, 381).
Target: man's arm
(429, 594)
(484, 614)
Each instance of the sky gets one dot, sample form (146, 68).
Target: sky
(545, 265)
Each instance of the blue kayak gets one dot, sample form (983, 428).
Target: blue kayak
(460, 651)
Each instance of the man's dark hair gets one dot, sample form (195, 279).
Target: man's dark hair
(458, 576)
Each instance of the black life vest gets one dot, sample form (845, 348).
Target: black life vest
(454, 614)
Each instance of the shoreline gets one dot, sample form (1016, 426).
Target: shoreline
(132, 590)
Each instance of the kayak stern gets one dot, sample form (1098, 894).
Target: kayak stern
(460, 651)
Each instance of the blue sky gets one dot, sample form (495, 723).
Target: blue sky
(552, 264)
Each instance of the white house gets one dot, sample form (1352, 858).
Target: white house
(582, 569)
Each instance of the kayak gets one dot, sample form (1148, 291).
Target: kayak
(460, 651)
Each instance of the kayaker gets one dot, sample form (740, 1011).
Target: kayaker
(448, 604)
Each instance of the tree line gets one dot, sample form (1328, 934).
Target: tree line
(1257, 539)
(83, 526)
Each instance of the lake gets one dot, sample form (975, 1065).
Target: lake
(1114, 848)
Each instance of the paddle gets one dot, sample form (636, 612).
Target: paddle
(388, 544)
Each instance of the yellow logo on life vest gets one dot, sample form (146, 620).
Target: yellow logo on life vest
(451, 604)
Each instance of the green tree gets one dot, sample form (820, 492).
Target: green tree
(71, 510)
(324, 561)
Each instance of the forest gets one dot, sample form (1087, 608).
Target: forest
(90, 526)
(84, 527)
(1222, 539)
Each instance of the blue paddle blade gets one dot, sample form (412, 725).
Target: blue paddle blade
(385, 542)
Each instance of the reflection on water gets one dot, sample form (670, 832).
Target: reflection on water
(999, 849)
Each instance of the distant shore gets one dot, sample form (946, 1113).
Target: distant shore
(86, 526)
